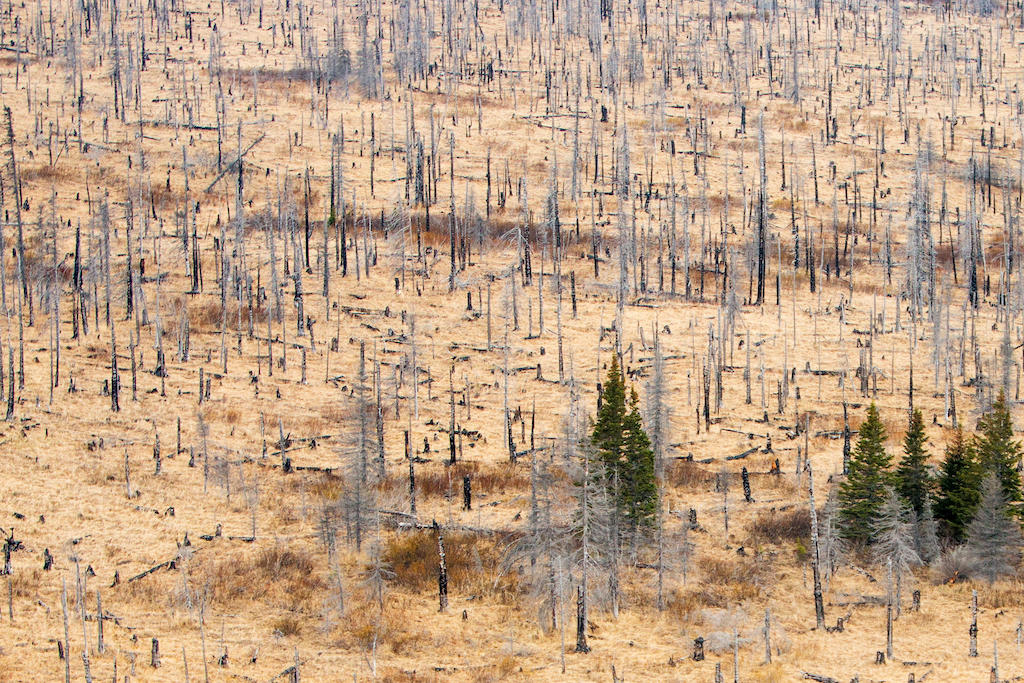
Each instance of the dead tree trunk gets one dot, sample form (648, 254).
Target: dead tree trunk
(67, 631)
(442, 570)
(973, 652)
(581, 621)
(819, 604)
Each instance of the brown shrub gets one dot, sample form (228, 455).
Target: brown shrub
(149, 591)
(59, 175)
(682, 605)
(25, 584)
(279, 576)
(500, 478)
(687, 474)
(727, 581)
(725, 596)
(362, 626)
(952, 566)
(722, 570)
(227, 414)
(287, 625)
(999, 596)
(493, 229)
(503, 668)
(474, 562)
(206, 316)
(277, 562)
(777, 526)
(685, 604)
(326, 486)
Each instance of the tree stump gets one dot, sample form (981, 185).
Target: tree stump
(581, 621)
(698, 649)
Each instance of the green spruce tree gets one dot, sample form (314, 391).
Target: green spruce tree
(958, 483)
(913, 480)
(862, 493)
(640, 489)
(625, 453)
(998, 453)
(608, 430)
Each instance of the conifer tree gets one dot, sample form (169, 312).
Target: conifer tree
(625, 453)
(913, 480)
(862, 493)
(998, 453)
(994, 538)
(640, 489)
(608, 430)
(959, 478)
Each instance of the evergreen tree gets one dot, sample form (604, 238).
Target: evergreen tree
(959, 478)
(994, 538)
(998, 453)
(863, 492)
(608, 431)
(913, 480)
(625, 453)
(639, 485)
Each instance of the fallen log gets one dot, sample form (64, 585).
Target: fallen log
(820, 678)
(234, 164)
(169, 564)
(290, 672)
(847, 600)
(743, 454)
(752, 435)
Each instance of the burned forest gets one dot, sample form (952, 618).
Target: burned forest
(480, 340)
